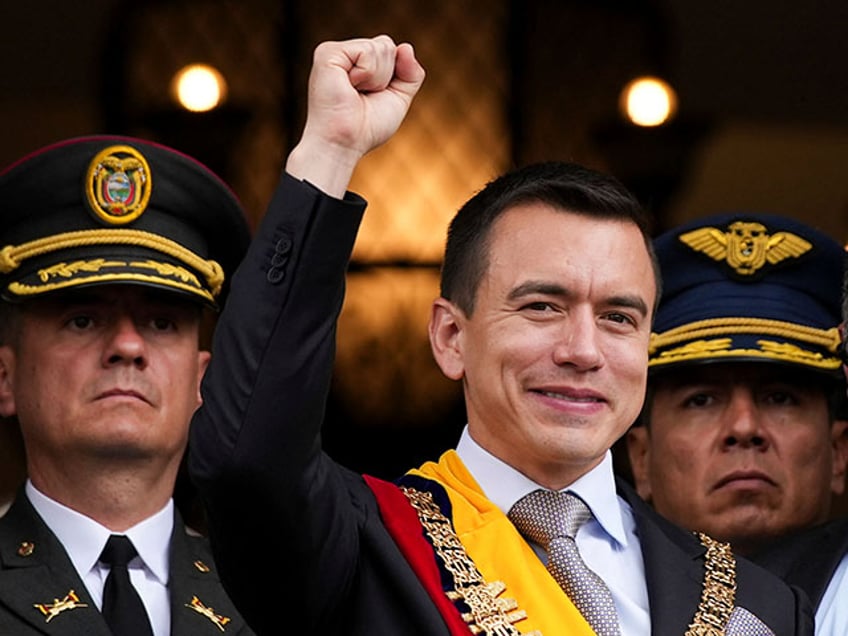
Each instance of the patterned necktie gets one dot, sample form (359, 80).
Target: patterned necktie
(122, 607)
(552, 519)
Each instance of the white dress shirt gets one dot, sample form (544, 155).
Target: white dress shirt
(832, 614)
(608, 543)
(84, 539)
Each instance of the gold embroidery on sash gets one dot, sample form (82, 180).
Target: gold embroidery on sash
(489, 615)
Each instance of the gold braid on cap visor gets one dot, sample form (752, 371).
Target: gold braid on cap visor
(12, 256)
(708, 339)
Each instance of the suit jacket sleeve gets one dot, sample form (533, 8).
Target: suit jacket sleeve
(275, 502)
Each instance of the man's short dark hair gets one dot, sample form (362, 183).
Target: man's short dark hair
(564, 186)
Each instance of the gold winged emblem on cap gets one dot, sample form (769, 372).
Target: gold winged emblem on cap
(746, 245)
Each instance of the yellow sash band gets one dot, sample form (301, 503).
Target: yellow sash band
(501, 553)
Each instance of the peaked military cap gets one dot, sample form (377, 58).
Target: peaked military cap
(106, 209)
(748, 287)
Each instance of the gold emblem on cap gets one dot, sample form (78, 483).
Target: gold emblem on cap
(52, 610)
(746, 246)
(118, 184)
(209, 612)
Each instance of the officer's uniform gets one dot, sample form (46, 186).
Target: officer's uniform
(758, 288)
(97, 211)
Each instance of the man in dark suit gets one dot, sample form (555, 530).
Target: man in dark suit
(112, 249)
(548, 289)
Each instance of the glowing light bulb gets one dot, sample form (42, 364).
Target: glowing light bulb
(199, 87)
(648, 101)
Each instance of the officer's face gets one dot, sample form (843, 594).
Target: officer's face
(744, 452)
(554, 355)
(109, 373)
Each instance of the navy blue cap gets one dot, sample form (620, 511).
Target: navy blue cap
(107, 209)
(748, 287)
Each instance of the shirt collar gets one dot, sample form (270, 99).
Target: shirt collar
(84, 538)
(503, 485)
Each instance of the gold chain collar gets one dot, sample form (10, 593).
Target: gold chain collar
(718, 597)
(489, 614)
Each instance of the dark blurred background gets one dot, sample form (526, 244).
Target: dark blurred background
(762, 124)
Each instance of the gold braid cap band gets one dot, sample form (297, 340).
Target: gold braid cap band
(708, 339)
(12, 256)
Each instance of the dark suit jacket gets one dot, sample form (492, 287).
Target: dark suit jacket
(808, 559)
(46, 574)
(255, 454)
(674, 569)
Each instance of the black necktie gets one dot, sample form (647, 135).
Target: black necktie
(122, 607)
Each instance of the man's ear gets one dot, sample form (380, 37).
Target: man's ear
(7, 381)
(639, 452)
(203, 358)
(445, 328)
(839, 440)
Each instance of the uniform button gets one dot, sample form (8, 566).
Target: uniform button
(278, 260)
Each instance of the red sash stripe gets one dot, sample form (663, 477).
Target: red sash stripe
(401, 520)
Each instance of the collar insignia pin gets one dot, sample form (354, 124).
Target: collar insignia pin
(26, 548)
(209, 612)
(52, 610)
